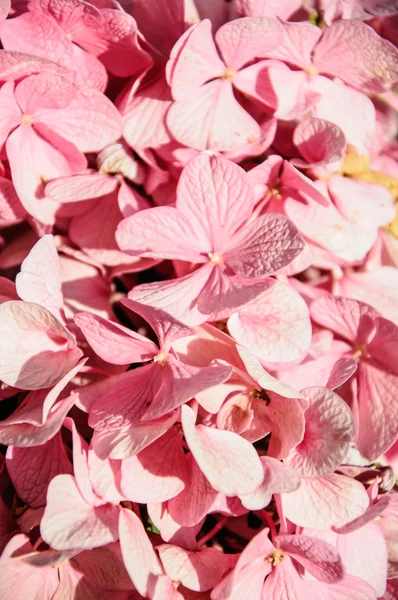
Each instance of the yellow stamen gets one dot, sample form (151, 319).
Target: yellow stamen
(228, 75)
(27, 120)
(360, 352)
(161, 358)
(312, 71)
(276, 558)
(215, 258)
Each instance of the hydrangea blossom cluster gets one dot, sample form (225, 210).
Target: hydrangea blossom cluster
(198, 299)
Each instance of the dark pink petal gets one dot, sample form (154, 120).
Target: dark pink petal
(319, 141)
(275, 327)
(332, 500)
(229, 462)
(161, 24)
(157, 473)
(196, 63)
(318, 557)
(15, 65)
(263, 247)
(340, 53)
(138, 554)
(329, 431)
(242, 40)
(39, 279)
(69, 522)
(115, 343)
(193, 503)
(198, 571)
(342, 370)
(32, 470)
(213, 119)
(37, 351)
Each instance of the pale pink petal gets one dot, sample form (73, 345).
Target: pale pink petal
(44, 90)
(319, 141)
(364, 553)
(285, 582)
(80, 187)
(105, 478)
(329, 430)
(275, 327)
(170, 530)
(32, 470)
(249, 582)
(213, 119)
(377, 401)
(37, 351)
(332, 500)
(278, 478)
(193, 503)
(11, 113)
(340, 52)
(90, 121)
(198, 571)
(229, 462)
(341, 315)
(39, 278)
(196, 63)
(263, 247)
(292, 178)
(161, 232)
(266, 8)
(319, 558)
(69, 522)
(15, 65)
(115, 343)
(138, 554)
(341, 372)
(157, 473)
(89, 70)
(297, 44)
(242, 40)
(351, 587)
(222, 202)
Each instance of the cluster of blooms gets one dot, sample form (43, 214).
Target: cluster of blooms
(198, 299)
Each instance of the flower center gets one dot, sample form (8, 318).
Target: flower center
(276, 558)
(229, 74)
(215, 258)
(360, 352)
(161, 358)
(312, 71)
(27, 120)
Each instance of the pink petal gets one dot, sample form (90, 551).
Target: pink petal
(329, 431)
(350, 587)
(213, 119)
(69, 522)
(278, 478)
(128, 441)
(342, 370)
(223, 199)
(267, 8)
(196, 63)
(294, 179)
(297, 44)
(332, 500)
(198, 571)
(11, 114)
(341, 315)
(90, 121)
(318, 557)
(319, 141)
(340, 53)
(229, 462)
(115, 343)
(80, 187)
(249, 581)
(105, 478)
(139, 556)
(157, 473)
(242, 40)
(39, 278)
(31, 470)
(193, 503)
(160, 24)
(285, 582)
(161, 232)
(45, 90)
(377, 400)
(274, 327)
(263, 247)
(15, 65)
(48, 156)
(37, 351)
